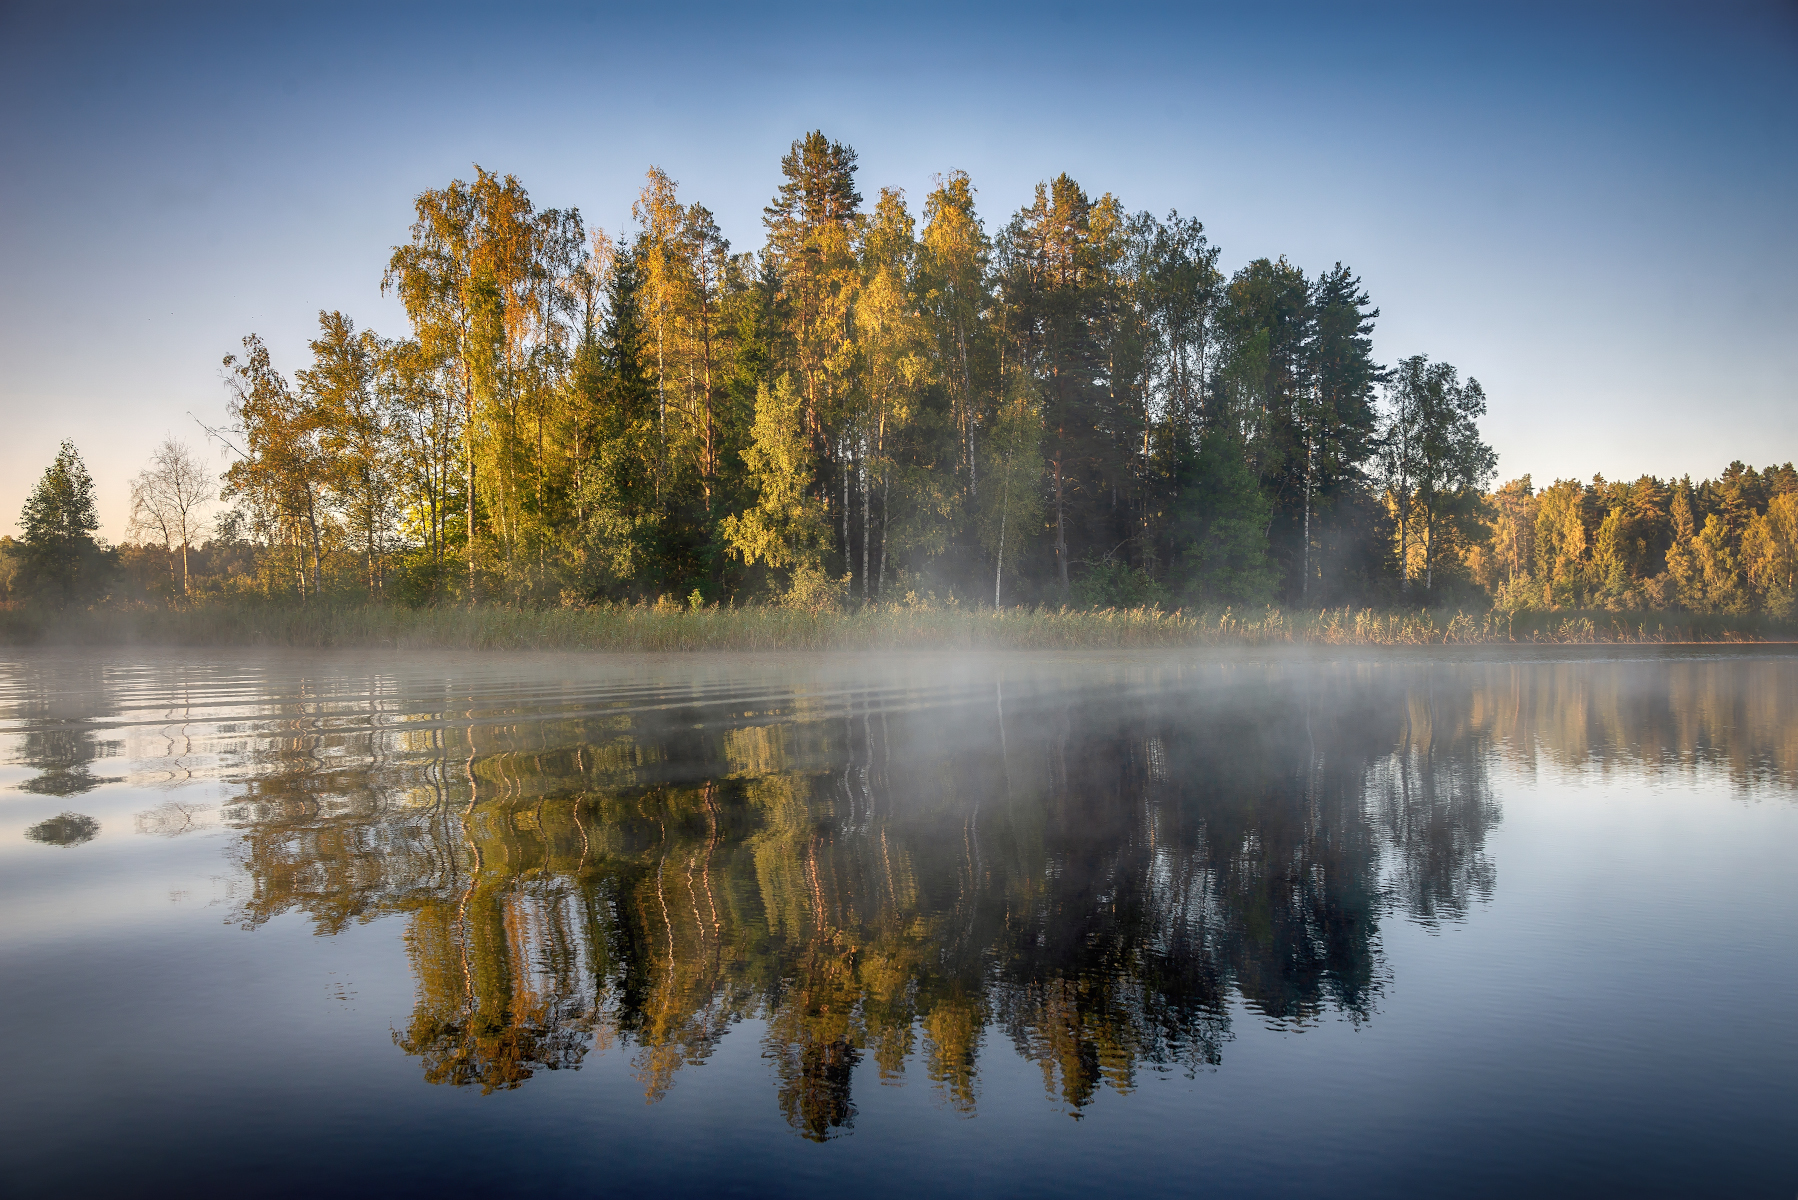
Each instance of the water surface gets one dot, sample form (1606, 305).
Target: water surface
(1171, 924)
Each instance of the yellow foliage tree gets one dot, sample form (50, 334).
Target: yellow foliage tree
(787, 528)
(1770, 555)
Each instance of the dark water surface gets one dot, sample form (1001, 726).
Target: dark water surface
(1027, 925)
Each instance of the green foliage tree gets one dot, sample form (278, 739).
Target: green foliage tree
(62, 561)
(1338, 417)
(957, 302)
(1220, 525)
(1511, 550)
(1012, 511)
(1439, 464)
(1057, 261)
(424, 433)
(480, 281)
(813, 223)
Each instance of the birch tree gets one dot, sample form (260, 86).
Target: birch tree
(168, 499)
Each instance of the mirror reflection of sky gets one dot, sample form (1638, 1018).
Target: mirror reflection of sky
(1584, 206)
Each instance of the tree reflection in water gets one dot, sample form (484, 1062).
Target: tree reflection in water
(1103, 875)
(57, 718)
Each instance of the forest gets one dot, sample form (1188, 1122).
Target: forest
(1076, 408)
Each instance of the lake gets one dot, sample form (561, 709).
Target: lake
(1480, 923)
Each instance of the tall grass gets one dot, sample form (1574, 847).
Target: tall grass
(666, 627)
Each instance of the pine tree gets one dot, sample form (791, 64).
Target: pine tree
(1055, 292)
(812, 225)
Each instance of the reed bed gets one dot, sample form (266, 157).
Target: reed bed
(667, 627)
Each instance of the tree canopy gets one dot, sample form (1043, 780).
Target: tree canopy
(1071, 405)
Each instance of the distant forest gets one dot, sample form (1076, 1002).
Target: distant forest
(1077, 408)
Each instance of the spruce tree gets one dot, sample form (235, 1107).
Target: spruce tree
(1220, 525)
(1341, 422)
(58, 523)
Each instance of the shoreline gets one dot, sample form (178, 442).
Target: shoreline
(660, 629)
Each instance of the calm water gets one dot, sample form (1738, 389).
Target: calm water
(1020, 925)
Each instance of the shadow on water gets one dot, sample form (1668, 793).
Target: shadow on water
(1103, 865)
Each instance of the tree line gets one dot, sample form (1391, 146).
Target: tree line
(1078, 407)
(1724, 545)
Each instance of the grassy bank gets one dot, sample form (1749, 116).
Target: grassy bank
(882, 627)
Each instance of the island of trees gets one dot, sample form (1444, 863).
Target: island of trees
(1077, 408)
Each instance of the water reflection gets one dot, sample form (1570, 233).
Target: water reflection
(56, 717)
(64, 829)
(1091, 887)
(1100, 864)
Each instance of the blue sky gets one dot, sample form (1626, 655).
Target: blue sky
(1588, 207)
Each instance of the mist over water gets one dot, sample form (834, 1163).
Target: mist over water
(1248, 923)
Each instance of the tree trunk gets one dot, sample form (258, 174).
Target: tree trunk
(967, 413)
(999, 568)
(1305, 583)
(312, 524)
(886, 494)
(1404, 548)
(1004, 513)
(709, 468)
(1429, 551)
(1061, 541)
(880, 448)
(469, 532)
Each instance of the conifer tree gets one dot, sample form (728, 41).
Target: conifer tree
(1220, 523)
(57, 526)
(1055, 294)
(1265, 323)
(812, 225)
(617, 491)
(1338, 416)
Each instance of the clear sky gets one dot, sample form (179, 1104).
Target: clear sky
(1591, 208)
